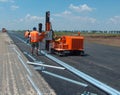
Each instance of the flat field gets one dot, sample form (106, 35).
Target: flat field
(107, 39)
(101, 38)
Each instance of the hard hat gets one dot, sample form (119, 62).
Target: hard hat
(34, 28)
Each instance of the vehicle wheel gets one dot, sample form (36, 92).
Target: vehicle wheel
(82, 53)
(61, 53)
(52, 51)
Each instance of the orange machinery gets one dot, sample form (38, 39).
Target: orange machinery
(4, 30)
(65, 44)
(68, 44)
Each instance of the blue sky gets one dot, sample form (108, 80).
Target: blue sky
(65, 14)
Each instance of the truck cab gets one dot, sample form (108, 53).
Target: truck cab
(4, 30)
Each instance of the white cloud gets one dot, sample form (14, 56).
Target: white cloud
(27, 22)
(29, 17)
(30, 20)
(14, 7)
(68, 21)
(67, 15)
(115, 20)
(63, 13)
(66, 12)
(81, 8)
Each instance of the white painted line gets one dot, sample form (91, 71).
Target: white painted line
(20, 58)
(16, 51)
(31, 81)
(35, 87)
(25, 65)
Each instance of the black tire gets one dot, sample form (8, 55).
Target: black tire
(82, 53)
(52, 51)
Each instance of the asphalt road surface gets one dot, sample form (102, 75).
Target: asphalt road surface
(100, 61)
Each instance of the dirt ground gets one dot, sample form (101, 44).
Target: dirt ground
(107, 40)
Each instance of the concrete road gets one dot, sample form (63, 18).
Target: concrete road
(16, 78)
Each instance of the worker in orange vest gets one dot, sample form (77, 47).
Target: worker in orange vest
(34, 40)
(26, 35)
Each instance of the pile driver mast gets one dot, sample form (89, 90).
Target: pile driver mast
(65, 44)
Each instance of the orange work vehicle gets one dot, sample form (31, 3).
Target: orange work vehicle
(68, 44)
(60, 45)
(4, 30)
(65, 44)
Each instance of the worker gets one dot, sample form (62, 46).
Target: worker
(4, 30)
(26, 34)
(34, 40)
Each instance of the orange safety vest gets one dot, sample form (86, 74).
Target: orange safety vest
(34, 36)
(41, 36)
(26, 34)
